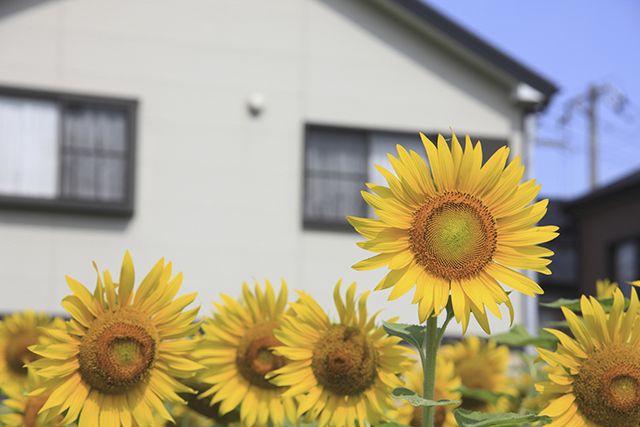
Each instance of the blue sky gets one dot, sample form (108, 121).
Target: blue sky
(573, 43)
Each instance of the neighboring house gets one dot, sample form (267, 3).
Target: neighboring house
(608, 236)
(231, 137)
(563, 282)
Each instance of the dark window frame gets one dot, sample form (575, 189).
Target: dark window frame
(65, 101)
(310, 224)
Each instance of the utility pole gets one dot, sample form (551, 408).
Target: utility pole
(592, 118)
(587, 103)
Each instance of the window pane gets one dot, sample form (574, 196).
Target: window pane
(332, 151)
(626, 258)
(383, 143)
(111, 179)
(332, 199)
(28, 147)
(335, 167)
(94, 154)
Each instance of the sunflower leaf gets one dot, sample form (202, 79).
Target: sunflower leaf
(558, 324)
(416, 400)
(571, 304)
(466, 418)
(574, 304)
(484, 395)
(413, 334)
(518, 336)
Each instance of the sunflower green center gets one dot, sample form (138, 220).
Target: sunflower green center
(118, 351)
(453, 236)
(254, 357)
(344, 361)
(607, 388)
(17, 352)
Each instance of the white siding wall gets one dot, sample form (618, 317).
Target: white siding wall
(218, 191)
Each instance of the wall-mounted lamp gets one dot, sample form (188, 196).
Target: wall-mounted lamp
(256, 103)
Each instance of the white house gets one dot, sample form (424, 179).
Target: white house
(228, 136)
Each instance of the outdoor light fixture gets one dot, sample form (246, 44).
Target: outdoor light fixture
(256, 103)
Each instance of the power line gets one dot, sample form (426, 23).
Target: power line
(587, 103)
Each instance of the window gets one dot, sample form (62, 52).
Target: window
(625, 263)
(66, 152)
(340, 161)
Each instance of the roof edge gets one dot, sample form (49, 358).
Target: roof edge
(628, 185)
(427, 15)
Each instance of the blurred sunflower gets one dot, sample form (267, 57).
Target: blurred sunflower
(599, 384)
(605, 288)
(340, 372)
(185, 417)
(118, 360)
(481, 365)
(25, 409)
(18, 331)
(536, 402)
(446, 382)
(236, 351)
(458, 228)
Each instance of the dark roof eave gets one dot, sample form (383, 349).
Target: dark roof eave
(433, 18)
(627, 186)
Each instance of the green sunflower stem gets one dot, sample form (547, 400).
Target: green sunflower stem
(429, 368)
(433, 337)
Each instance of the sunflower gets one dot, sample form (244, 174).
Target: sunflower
(605, 288)
(446, 382)
(120, 355)
(18, 331)
(482, 365)
(24, 409)
(236, 351)
(340, 372)
(460, 228)
(599, 384)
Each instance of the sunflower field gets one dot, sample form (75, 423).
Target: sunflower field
(456, 232)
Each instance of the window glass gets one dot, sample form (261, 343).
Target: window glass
(94, 154)
(66, 152)
(626, 256)
(335, 171)
(28, 147)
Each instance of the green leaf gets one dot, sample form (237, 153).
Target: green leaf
(558, 324)
(484, 395)
(466, 418)
(571, 304)
(416, 400)
(574, 304)
(518, 336)
(413, 334)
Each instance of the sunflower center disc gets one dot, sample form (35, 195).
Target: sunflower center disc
(607, 388)
(32, 406)
(476, 373)
(453, 236)
(17, 352)
(254, 358)
(118, 351)
(344, 361)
